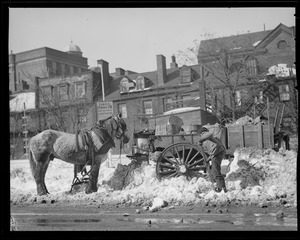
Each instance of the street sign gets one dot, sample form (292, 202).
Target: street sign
(104, 110)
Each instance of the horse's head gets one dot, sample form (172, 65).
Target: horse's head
(116, 127)
(121, 129)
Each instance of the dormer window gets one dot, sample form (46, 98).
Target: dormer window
(124, 85)
(140, 83)
(185, 74)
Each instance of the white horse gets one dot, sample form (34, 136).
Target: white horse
(71, 148)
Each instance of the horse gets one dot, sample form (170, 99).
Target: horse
(50, 144)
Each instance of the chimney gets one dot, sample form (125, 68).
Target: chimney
(104, 73)
(12, 65)
(120, 72)
(37, 92)
(161, 69)
(173, 64)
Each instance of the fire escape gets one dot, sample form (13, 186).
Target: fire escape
(255, 105)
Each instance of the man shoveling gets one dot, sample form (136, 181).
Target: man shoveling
(215, 150)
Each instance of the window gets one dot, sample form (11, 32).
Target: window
(185, 75)
(185, 99)
(63, 92)
(140, 83)
(63, 69)
(287, 122)
(284, 92)
(81, 116)
(238, 98)
(168, 104)
(71, 70)
(252, 67)
(124, 85)
(259, 98)
(75, 69)
(54, 69)
(25, 85)
(67, 69)
(148, 107)
(123, 110)
(282, 44)
(80, 90)
(47, 93)
(79, 70)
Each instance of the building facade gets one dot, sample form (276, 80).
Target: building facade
(243, 72)
(43, 62)
(263, 60)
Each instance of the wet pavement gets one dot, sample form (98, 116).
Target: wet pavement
(51, 218)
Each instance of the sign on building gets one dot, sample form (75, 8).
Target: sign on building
(104, 110)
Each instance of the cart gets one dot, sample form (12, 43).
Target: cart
(179, 153)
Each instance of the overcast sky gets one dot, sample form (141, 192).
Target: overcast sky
(131, 38)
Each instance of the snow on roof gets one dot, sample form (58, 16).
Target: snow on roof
(281, 70)
(17, 103)
(179, 110)
(256, 43)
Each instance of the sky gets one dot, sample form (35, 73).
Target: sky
(130, 38)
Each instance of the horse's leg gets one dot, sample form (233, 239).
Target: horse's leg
(39, 168)
(44, 170)
(93, 179)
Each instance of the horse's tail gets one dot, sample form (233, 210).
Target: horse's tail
(32, 162)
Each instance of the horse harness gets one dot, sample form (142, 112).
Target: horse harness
(89, 146)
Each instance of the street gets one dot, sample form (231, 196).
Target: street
(189, 218)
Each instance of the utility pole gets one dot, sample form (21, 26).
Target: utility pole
(202, 92)
(109, 155)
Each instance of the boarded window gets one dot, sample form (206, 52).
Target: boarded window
(63, 92)
(47, 94)
(80, 91)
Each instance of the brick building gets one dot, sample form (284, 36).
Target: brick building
(141, 96)
(43, 62)
(260, 65)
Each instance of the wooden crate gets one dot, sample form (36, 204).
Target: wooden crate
(260, 136)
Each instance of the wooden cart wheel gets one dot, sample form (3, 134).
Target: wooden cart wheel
(180, 159)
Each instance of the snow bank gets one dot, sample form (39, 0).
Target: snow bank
(255, 177)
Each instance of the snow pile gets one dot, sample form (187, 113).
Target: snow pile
(265, 172)
(17, 103)
(246, 120)
(255, 177)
